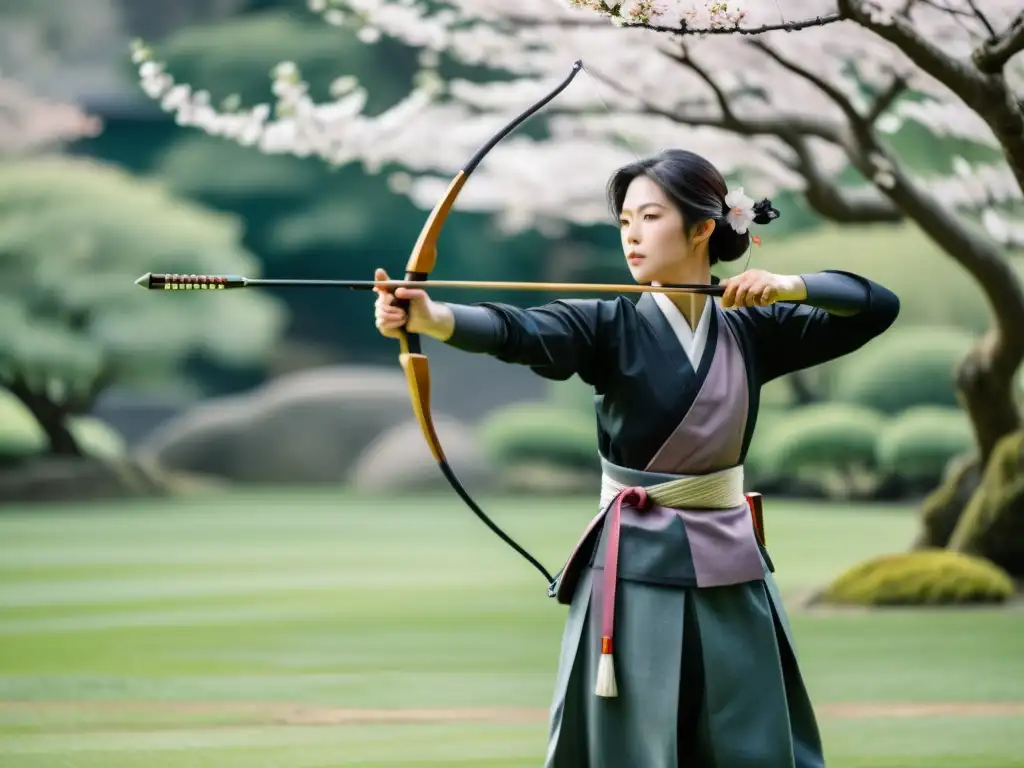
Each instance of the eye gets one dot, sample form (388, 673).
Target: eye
(623, 222)
(650, 216)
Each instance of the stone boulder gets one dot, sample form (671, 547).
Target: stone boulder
(400, 460)
(307, 427)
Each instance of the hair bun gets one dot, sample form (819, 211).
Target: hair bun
(764, 213)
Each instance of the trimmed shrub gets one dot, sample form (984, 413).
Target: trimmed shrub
(20, 433)
(820, 436)
(572, 395)
(96, 438)
(919, 444)
(758, 467)
(21, 437)
(540, 433)
(902, 369)
(926, 577)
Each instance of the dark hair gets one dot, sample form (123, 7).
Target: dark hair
(698, 190)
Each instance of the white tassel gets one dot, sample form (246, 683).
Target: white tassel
(606, 686)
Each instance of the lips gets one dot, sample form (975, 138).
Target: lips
(634, 258)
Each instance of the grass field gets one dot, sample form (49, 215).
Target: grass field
(368, 633)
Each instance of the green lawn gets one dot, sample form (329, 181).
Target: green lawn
(172, 635)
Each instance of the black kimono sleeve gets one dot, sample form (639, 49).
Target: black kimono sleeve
(842, 312)
(557, 340)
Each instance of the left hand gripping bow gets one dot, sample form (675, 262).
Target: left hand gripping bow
(414, 362)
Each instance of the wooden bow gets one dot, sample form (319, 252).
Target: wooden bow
(413, 360)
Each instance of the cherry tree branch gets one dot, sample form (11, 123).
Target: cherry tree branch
(993, 54)
(886, 99)
(981, 17)
(986, 93)
(846, 206)
(928, 56)
(843, 206)
(977, 254)
(824, 129)
(736, 29)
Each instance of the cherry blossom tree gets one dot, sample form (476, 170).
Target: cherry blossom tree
(798, 95)
(30, 124)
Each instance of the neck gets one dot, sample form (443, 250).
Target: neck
(690, 304)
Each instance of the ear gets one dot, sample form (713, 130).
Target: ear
(703, 231)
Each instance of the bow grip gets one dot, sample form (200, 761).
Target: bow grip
(410, 342)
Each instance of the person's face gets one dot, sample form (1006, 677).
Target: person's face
(653, 234)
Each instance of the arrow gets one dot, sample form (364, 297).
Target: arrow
(167, 282)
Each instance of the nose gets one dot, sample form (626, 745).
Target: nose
(632, 235)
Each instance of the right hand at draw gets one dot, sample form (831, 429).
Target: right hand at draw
(424, 316)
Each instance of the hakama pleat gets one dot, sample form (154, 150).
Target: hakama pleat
(687, 683)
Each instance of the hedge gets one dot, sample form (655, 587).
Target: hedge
(818, 436)
(925, 577)
(902, 369)
(529, 433)
(919, 443)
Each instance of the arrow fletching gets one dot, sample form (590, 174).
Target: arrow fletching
(162, 282)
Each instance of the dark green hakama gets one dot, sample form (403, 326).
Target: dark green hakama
(688, 681)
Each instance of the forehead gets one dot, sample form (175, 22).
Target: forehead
(643, 190)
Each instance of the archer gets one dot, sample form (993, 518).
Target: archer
(672, 575)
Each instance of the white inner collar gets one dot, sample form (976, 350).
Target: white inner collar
(693, 342)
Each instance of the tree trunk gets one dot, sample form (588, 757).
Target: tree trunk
(985, 387)
(51, 417)
(992, 523)
(986, 391)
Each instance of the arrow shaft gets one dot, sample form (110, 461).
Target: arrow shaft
(201, 282)
(494, 285)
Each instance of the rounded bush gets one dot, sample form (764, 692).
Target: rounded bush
(531, 433)
(902, 369)
(919, 443)
(571, 395)
(22, 437)
(758, 465)
(924, 577)
(822, 435)
(96, 438)
(20, 433)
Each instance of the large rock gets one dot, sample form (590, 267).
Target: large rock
(308, 427)
(400, 460)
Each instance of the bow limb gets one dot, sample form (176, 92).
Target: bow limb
(413, 361)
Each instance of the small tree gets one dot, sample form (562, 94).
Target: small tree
(29, 124)
(74, 236)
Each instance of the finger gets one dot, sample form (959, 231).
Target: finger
(378, 275)
(753, 294)
(410, 294)
(389, 324)
(739, 298)
(730, 293)
(768, 296)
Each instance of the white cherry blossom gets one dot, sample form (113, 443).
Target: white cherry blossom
(643, 89)
(740, 210)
